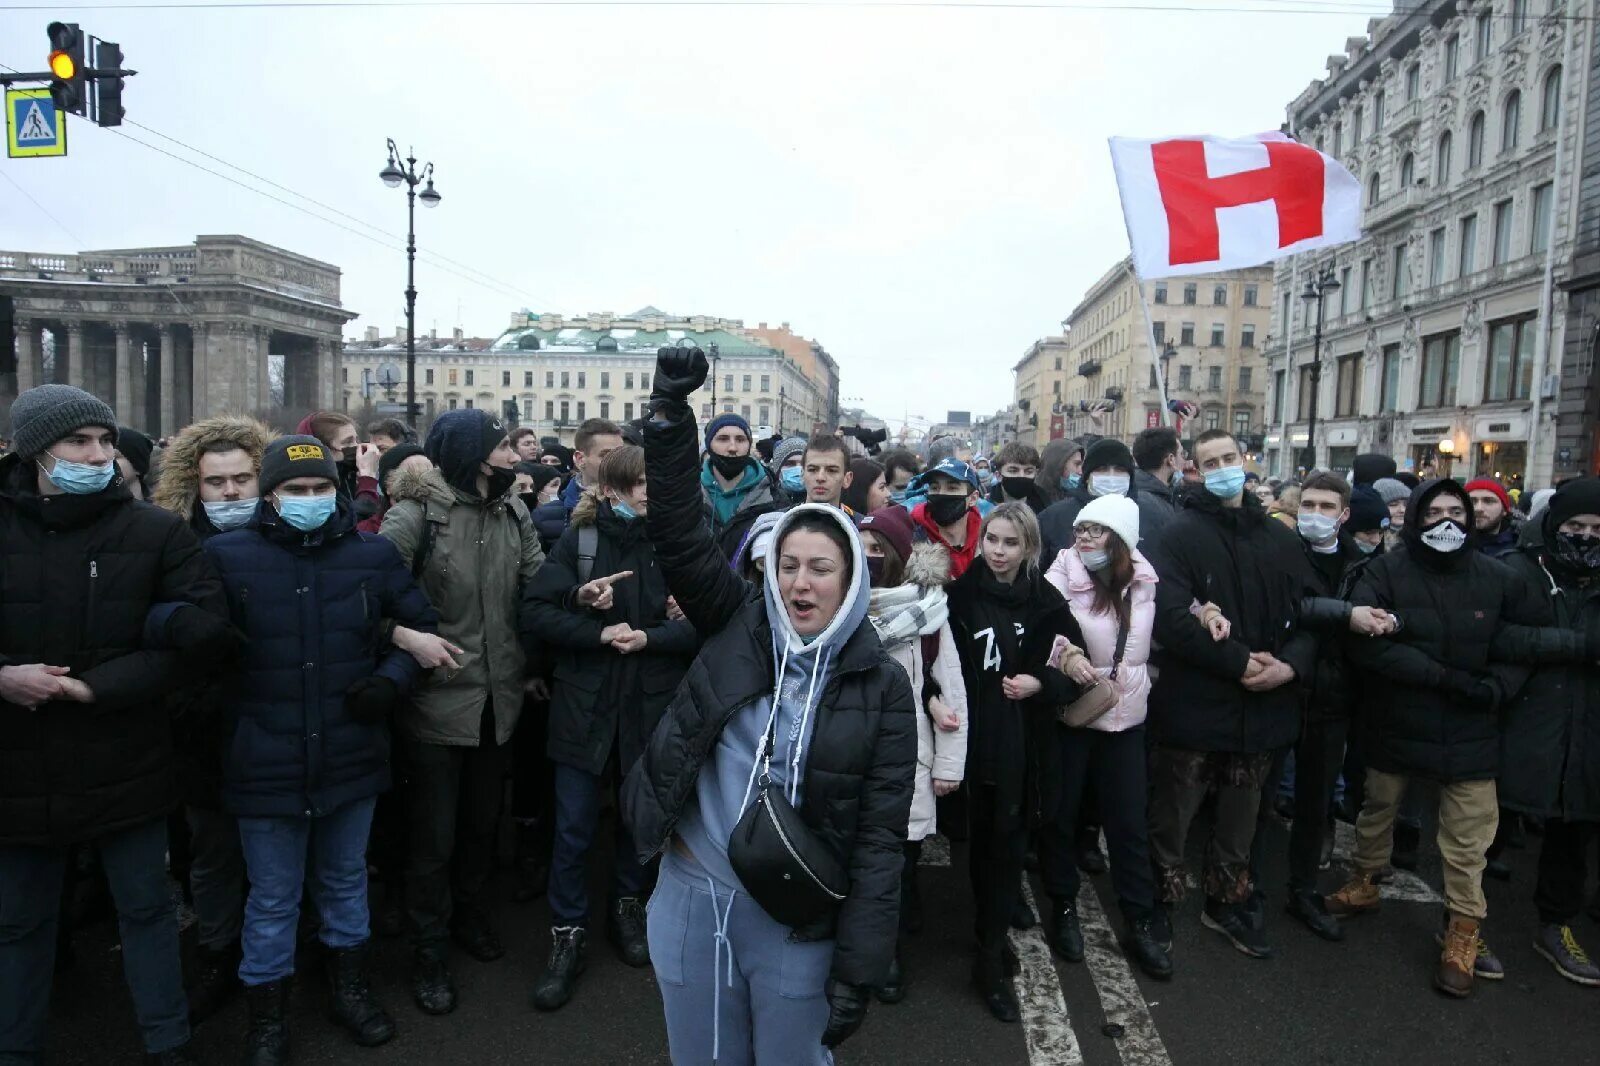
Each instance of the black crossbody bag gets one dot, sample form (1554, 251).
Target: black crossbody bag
(779, 860)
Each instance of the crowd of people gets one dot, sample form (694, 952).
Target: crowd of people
(271, 665)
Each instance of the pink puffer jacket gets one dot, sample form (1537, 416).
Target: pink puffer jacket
(1071, 578)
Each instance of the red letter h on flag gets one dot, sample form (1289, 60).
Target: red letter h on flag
(1292, 180)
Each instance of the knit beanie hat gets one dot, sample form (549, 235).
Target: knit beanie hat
(893, 524)
(1107, 452)
(1371, 466)
(1489, 484)
(46, 413)
(136, 448)
(1579, 496)
(723, 421)
(784, 449)
(542, 475)
(1391, 489)
(1368, 512)
(1117, 513)
(458, 443)
(301, 455)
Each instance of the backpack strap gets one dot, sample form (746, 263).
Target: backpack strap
(588, 545)
(419, 557)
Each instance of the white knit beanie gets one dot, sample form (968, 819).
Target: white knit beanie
(1117, 513)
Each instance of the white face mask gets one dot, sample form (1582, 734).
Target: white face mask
(1444, 536)
(1108, 484)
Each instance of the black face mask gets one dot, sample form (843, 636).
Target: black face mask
(1016, 488)
(347, 457)
(1578, 551)
(875, 569)
(530, 500)
(500, 482)
(729, 466)
(946, 510)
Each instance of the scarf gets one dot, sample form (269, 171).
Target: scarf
(899, 614)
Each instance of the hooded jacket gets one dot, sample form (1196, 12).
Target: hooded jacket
(925, 529)
(733, 511)
(481, 551)
(78, 578)
(1431, 707)
(846, 752)
(1057, 520)
(602, 698)
(1254, 569)
(361, 491)
(178, 490)
(1076, 585)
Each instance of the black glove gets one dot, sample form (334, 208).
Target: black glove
(204, 635)
(371, 699)
(679, 371)
(1484, 694)
(847, 1009)
(1460, 683)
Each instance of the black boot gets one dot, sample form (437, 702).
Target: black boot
(625, 928)
(1406, 840)
(1066, 934)
(267, 1042)
(1146, 950)
(994, 985)
(562, 970)
(533, 863)
(471, 929)
(182, 1055)
(432, 988)
(893, 989)
(910, 889)
(1022, 916)
(216, 981)
(1309, 908)
(353, 1005)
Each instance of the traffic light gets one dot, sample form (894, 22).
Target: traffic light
(108, 89)
(66, 66)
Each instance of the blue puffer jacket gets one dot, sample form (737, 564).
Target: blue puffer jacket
(313, 607)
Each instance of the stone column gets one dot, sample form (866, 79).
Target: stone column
(28, 361)
(73, 351)
(199, 405)
(327, 374)
(261, 347)
(141, 386)
(167, 426)
(124, 387)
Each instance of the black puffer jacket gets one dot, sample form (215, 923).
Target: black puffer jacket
(1432, 702)
(78, 577)
(1331, 693)
(1254, 569)
(1055, 521)
(861, 762)
(601, 697)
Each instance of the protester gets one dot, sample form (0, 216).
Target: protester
(595, 440)
(1159, 458)
(85, 734)
(469, 541)
(525, 442)
(735, 484)
(600, 605)
(825, 470)
(786, 467)
(868, 489)
(1369, 468)
(1017, 466)
(1495, 522)
(899, 467)
(398, 457)
(1107, 471)
(358, 463)
(948, 516)
(791, 678)
(386, 433)
(315, 665)
(1059, 464)
(133, 460)
(543, 501)
(1110, 589)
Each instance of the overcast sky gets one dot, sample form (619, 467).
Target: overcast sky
(926, 191)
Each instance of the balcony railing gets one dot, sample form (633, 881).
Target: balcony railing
(1089, 368)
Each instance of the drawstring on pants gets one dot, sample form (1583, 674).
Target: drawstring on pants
(721, 945)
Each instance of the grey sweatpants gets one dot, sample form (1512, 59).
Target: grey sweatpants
(735, 989)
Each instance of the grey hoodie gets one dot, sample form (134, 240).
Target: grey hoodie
(727, 783)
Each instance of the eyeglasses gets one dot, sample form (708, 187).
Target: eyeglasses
(1090, 531)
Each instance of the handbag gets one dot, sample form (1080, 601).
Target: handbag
(1100, 696)
(779, 860)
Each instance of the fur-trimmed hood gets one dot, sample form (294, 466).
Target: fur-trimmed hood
(179, 486)
(421, 486)
(929, 565)
(587, 511)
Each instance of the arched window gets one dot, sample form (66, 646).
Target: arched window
(1475, 141)
(1408, 167)
(606, 344)
(1550, 100)
(1441, 161)
(528, 342)
(1510, 121)
(1374, 187)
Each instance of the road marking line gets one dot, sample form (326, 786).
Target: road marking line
(1046, 1025)
(1403, 887)
(1120, 997)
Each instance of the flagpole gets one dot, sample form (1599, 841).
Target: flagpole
(1150, 336)
(1288, 367)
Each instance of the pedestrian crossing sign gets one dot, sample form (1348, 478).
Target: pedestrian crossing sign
(33, 125)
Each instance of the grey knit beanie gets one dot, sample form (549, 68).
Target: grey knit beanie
(46, 413)
(1391, 490)
(784, 449)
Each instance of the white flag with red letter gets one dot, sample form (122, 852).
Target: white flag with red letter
(1196, 205)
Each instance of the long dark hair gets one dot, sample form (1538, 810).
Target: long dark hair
(894, 567)
(1111, 583)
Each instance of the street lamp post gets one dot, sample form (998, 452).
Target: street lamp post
(1318, 287)
(393, 175)
(716, 361)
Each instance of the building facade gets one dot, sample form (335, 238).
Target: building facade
(1577, 448)
(1435, 347)
(168, 335)
(559, 371)
(1041, 377)
(1208, 331)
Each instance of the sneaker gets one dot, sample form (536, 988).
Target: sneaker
(563, 968)
(1146, 952)
(1486, 965)
(1161, 926)
(1230, 920)
(994, 985)
(1308, 907)
(1456, 963)
(1358, 896)
(1556, 943)
(625, 928)
(1066, 934)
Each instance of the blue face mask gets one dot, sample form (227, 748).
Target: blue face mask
(80, 479)
(230, 514)
(1366, 549)
(1225, 482)
(306, 513)
(1177, 478)
(1070, 482)
(621, 509)
(792, 479)
(897, 496)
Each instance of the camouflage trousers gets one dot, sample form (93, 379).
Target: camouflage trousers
(1179, 782)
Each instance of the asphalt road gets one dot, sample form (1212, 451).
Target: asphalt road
(1367, 1000)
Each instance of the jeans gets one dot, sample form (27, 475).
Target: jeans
(577, 818)
(1179, 781)
(1113, 765)
(997, 841)
(135, 862)
(276, 852)
(1467, 820)
(216, 877)
(453, 803)
(1563, 869)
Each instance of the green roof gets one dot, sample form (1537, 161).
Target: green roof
(629, 340)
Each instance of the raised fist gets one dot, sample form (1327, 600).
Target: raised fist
(679, 371)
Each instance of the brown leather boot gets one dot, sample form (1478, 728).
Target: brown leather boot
(1358, 896)
(1454, 976)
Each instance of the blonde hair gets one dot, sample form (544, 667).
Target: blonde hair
(1021, 516)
